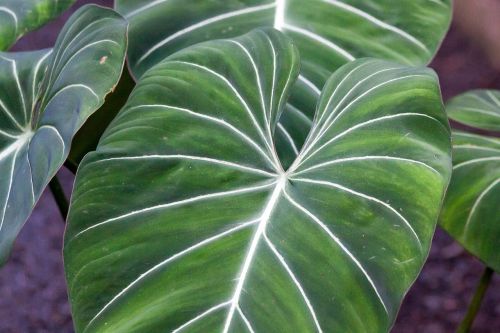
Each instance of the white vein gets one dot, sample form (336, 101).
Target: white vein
(320, 40)
(31, 174)
(289, 139)
(367, 158)
(259, 85)
(9, 135)
(295, 281)
(237, 94)
(329, 123)
(35, 75)
(379, 23)
(73, 86)
(299, 113)
(216, 120)
(477, 203)
(201, 315)
(477, 137)
(182, 202)
(310, 85)
(476, 110)
(14, 149)
(279, 17)
(58, 134)
(367, 197)
(61, 51)
(340, 84)
(245, 320)
(12, 14)
(21, 94)
(468, 146)
(191, 158)
(144, 8)
(363, 124)
(170, 259)
(477, 160)
(493, 98)
(339, 243)
(80, 50)
(264, 219)
(202, 24)
(273, 86)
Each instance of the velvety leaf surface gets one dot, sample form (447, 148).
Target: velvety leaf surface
(328, 33)
(45, 97)
(18, 17)
(471, 213)
(477, 108)
(184, 220)
(88, 136)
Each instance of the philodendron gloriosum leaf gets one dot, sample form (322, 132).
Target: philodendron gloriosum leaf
(477, 108)
(184, 220)
(18, 17)
(328, 33)
(471, 212)
(45, 96)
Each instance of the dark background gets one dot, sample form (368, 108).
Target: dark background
(33, 290)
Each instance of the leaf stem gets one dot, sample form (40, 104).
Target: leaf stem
(475, 303)
(59, 196)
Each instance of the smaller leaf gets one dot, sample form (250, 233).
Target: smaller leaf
(21, 16)
(45, 97)
(471, 213)
(477, 108)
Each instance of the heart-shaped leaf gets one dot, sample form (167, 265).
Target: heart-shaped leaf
(184, 219)
(470, 213)
(45, 97)
(328, 33)
(18, 17)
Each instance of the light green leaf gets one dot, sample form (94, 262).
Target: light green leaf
(471, 213)
(45, 97)
(184, 220)
(18, 17)
(328, 33)
(476, 108)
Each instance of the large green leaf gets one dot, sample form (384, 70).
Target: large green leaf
(45, 97)
(184, 219)
(477, 108)
(471, 213)
(328, 33)
(18, 17)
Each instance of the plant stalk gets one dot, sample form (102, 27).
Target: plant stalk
(59, 196)
(476, 301)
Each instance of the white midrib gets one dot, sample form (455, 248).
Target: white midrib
(279, 18)
(259, 234)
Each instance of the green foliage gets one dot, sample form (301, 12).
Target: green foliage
(327, 33)
(18, 17)
(184, 217)
(45, 97)
(471, 212)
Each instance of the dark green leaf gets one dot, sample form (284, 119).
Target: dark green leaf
(184, 219)
(328, 33)
(18, 17)
(45, 97)
(471, 212)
